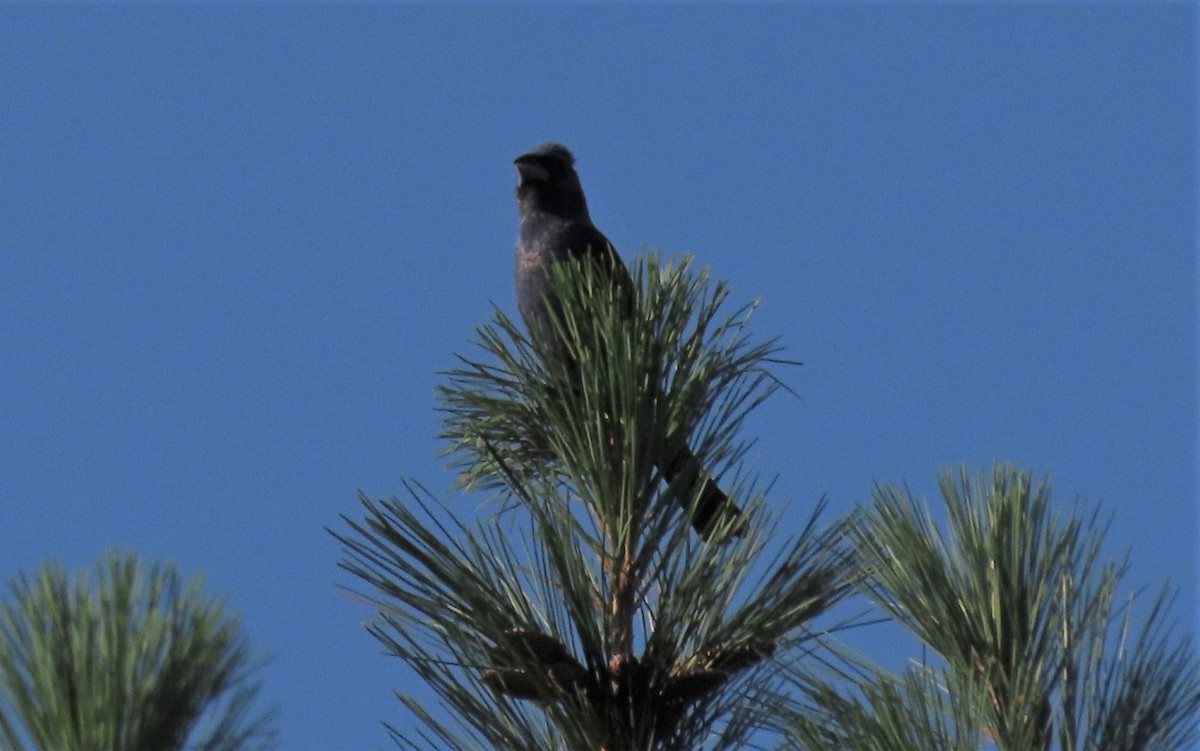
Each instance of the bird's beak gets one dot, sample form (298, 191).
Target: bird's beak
(530, 171)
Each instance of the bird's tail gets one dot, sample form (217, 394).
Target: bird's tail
(710, 510)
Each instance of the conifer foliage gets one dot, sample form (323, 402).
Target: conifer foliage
(584, 613)
(1032, 643)
(130, 658)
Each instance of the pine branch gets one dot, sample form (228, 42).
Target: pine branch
(598, 619)
(1018, 602)
(141, 661)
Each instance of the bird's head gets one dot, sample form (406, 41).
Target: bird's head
(547, 182)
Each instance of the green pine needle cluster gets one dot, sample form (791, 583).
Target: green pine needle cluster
(1035, 649)
(139, 660)
(585, 613)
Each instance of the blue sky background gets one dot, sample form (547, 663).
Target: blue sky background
(238, 242)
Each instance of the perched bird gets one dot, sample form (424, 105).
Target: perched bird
(556, 226)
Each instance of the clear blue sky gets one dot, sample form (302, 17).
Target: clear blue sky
(238, 242)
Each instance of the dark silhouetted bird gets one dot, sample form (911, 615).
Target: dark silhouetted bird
(555, 226)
